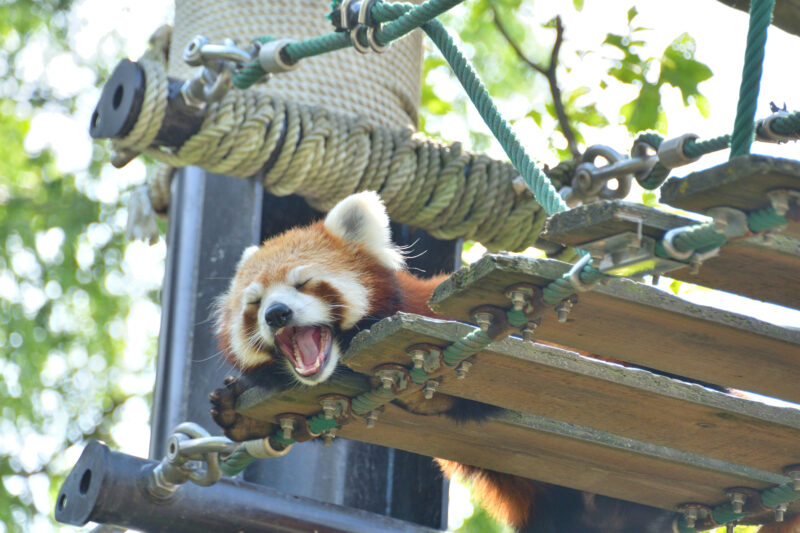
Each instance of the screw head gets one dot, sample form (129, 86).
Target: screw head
(328, 435)
(484, 320)
(563, 309)
(287, 425)
(462, 369)
(431, 386)
(371, 418)
(779, 511)
(417, 357)
(737, 500)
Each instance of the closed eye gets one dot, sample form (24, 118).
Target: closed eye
(254, 302)
(299, 286)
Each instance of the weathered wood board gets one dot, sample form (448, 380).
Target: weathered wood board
(556, 452)
(639, 324)
(742, 183)
(757, 268)
(565, 454)
(563, 385)
(786, 15)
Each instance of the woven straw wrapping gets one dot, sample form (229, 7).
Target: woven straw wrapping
(384, 89)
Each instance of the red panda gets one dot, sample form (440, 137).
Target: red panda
(295, 299)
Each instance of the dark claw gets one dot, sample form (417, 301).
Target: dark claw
(229, 380)
(214, 413)
(214, 397)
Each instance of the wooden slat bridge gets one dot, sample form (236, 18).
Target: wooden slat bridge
(637, 433)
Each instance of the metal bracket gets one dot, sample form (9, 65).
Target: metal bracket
(335, 407)
(729, 221)
(392, 377)
(671, 154)
(589, 183)
(219, 62)
(629, 254)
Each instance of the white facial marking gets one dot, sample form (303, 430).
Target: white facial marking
(355, 296)
(307, 310)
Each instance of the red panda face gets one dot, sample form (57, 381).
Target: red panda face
(293, 295)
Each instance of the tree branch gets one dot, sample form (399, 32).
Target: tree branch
(550, 73)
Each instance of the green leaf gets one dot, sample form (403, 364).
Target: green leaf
(675, 286)
(577, 4)
(536, 116)
(632, 12)
(681, 70)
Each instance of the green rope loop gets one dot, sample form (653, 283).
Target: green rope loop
(562, 287)
(743, 129)
(659, 173)
(251, 73)
(724, 514)
(415, 17)
(698, 237)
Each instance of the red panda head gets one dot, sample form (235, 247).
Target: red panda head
(292, 295)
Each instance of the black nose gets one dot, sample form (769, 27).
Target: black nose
(277, 315)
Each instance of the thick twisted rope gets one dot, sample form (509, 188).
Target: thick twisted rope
(743, 129)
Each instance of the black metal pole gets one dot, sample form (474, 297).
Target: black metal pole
(109, 487)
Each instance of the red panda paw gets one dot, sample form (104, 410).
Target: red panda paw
(234, 425)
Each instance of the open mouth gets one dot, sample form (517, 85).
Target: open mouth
(306, 347)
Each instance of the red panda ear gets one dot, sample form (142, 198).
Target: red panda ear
(250, 250)
(362, 218)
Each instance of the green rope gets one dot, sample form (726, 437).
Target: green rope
(765, 219)
(562, 288)
(694, 148)
(516, 318)
(318, 423)
(659, 173)
(777, 495)
(364, 403)
(698, 237)
(743, 129)
(535, 179)
(418, 376)
(236, 461)
(466, 346)
(415, 17)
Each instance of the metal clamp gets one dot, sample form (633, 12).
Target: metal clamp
(766, 133)
(590, 181)
(671, 153)
(729, 221)
(575, 275)
(219, 61)
(269, 56)
(781, 200)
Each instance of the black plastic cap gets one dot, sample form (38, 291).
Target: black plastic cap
(120, 102)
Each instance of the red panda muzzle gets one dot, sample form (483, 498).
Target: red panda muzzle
(306, 347)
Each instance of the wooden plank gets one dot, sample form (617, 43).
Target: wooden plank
(786, 15)
(567, 455)
(741, 183)
(563, 385)
(639, 324)
(548, 450)
(756, 268)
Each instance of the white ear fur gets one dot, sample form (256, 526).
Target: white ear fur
(362, 218)
(250, 250)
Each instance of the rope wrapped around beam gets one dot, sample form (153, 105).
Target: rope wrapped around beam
(324, 157)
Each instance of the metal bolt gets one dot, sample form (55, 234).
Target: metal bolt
(462, 369)
(430, 388)
(484, 320)
(328, 435)
(518, 299)
(737, 500)
(562, 310)
(418, 357)
(329, 408)
(529, 329)
(730, 527)
(779, 510)
(690, 515)
(371, 418)
(779, 201)
(387, 381)
(694, 267)
(287, 425)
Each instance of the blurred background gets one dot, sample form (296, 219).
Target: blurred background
(79, 304)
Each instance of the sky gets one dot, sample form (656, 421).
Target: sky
(718, 30)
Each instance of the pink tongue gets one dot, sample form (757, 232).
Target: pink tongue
(307, 340)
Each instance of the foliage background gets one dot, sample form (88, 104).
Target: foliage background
(79, 304)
